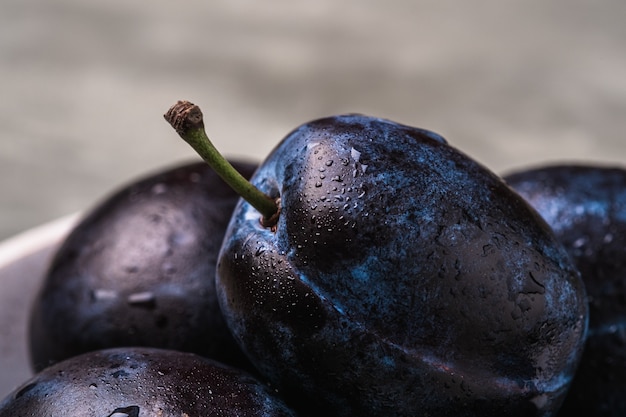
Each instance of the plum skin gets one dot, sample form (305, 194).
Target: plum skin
(140, 381)
(402, 278)
(138, 270)
(585, 204)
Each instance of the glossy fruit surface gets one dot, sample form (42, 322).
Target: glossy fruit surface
(586, 207)
(138, 382)
(402, 278)
(139, 270)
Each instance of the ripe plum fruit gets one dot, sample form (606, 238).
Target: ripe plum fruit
(385, 273)
(586, 207)
(139, 270)
(137, 382)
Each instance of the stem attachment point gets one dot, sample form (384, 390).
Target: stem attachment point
(187, 119)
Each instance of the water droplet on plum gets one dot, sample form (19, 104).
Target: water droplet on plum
(24, 390)
(145, 299)
(131, 411)
(356, 155)
(103, 294)
(169, 268)
(158, 189)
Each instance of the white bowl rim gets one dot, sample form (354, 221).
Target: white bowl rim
(35, 239)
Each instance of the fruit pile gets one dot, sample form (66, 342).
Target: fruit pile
(364, 268)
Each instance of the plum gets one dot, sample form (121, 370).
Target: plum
(141, 382)
(396, 276)
(139, 270)
(585, 204)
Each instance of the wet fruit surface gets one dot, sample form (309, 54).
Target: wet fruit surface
(401, 278)
(586, 207)
(138, 382)
(139, 270)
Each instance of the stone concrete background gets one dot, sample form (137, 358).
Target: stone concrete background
(84, 84)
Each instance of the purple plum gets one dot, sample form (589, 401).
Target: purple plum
(139, 270)
(585, 204)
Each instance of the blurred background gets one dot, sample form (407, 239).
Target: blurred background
(84, 84)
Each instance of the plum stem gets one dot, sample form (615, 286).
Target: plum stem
(186, 118)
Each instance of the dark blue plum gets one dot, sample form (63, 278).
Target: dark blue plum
(139, 270)
(142, 382)
(586, 206)
(401, 279)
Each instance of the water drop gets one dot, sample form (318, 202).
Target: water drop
(120, 373)
(329, 162)
(608, 238)
(158, 189)
(131, 411)
(145, 299)
(318, 184)
(524, 305)
(181, 238)
(195, 177)
(169, 268)
(25, 389)
(356, 155)
(103, 294)
(540, 401)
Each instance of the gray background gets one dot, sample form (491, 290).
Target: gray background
(84, 84)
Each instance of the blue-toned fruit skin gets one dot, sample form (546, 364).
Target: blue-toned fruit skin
(402, 279)
(142, 382)
(139, 270)
(586, 206)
